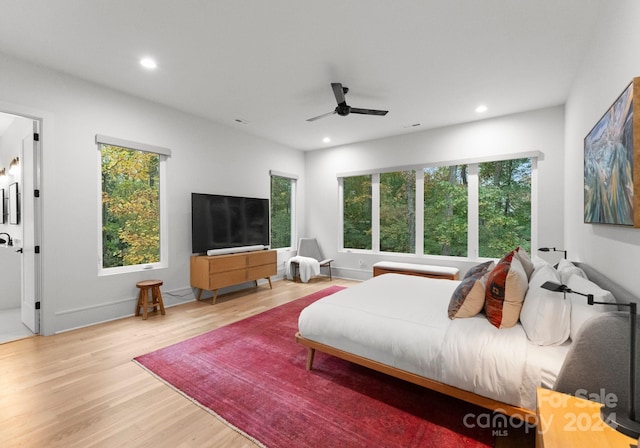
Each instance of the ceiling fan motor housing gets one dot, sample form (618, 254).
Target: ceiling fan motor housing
(343, 110)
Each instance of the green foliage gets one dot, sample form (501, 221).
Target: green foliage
(398, 211)
(445, 210)
(280, 212)
(505, 207)
(130, 207)
(357, 212)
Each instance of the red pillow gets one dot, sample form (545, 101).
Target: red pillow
(506, 287)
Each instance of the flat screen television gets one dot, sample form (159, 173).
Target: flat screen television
(222, 222)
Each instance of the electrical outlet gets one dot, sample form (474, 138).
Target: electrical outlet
(361, 263)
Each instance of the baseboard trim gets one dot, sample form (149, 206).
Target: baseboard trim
(132, 300)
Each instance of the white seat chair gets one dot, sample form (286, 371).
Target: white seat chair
(308, 247)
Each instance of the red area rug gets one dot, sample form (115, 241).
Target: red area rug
(252, 375)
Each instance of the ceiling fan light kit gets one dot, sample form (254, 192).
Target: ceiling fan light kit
(343, 109)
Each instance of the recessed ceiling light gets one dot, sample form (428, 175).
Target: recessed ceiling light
(481, 109)
(148, 63)
(326, 140)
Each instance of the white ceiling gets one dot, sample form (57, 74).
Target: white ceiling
(271, 62)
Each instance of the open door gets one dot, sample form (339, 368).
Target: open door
(28, 218)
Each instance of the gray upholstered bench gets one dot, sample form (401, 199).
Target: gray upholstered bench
(422, 270)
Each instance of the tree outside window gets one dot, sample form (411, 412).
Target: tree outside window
(398, 211)
(357, 212)
(281, 220)
(445, 210)
(505, 206)
(130, 207)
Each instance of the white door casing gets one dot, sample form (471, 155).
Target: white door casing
(29, 166)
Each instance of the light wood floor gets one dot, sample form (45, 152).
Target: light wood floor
(80, 388)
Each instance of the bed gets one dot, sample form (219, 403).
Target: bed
(399, 325)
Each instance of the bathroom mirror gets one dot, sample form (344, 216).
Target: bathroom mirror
(2, 212)
(14, 208)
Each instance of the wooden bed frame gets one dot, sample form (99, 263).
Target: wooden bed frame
(621, 294)
(523, 414)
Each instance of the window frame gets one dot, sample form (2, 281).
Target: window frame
(163, 154)
(472, 204)
(293, 178)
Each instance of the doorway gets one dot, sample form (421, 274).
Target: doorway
(19, 165)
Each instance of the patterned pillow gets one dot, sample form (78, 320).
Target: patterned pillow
(468, 298)
(506, 287)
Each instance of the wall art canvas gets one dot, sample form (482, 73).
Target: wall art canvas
(611, 194)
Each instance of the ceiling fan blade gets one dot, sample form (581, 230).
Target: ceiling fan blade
(355, 110)
(338, 91)
(321, 116)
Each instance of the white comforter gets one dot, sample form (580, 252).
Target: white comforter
(401, 321)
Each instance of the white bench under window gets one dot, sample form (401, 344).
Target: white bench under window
(423, 270)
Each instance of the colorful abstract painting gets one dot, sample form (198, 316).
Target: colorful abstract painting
(608, 165)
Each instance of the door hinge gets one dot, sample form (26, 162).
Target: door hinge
(36, 137)
(38, 305)
(36, 193)
(37, 249)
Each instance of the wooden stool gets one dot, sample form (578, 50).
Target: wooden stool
(143, 297)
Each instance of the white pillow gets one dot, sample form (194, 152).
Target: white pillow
(537, 262)
(568, 269)
(545, 315)
(524, 258)
(581, 311)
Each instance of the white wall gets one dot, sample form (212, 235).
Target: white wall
(540, 130)
(606, 71)
(10, 261)
(207, 157)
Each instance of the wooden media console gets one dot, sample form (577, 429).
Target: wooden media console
(219, 271)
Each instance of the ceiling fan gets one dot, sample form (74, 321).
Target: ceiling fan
(343, 109)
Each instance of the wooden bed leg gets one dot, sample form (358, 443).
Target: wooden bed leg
(310, 354)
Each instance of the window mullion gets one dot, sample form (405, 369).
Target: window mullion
(534, 203)
(341, 212)
(294, 222)
(419, 249)
(375, 212)
(473, 220)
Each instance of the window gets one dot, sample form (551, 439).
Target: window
(282, 210)
(505, 206)
(398, 211)
(445, 210)
(131, 214)
(480, 209)
(356, 209)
